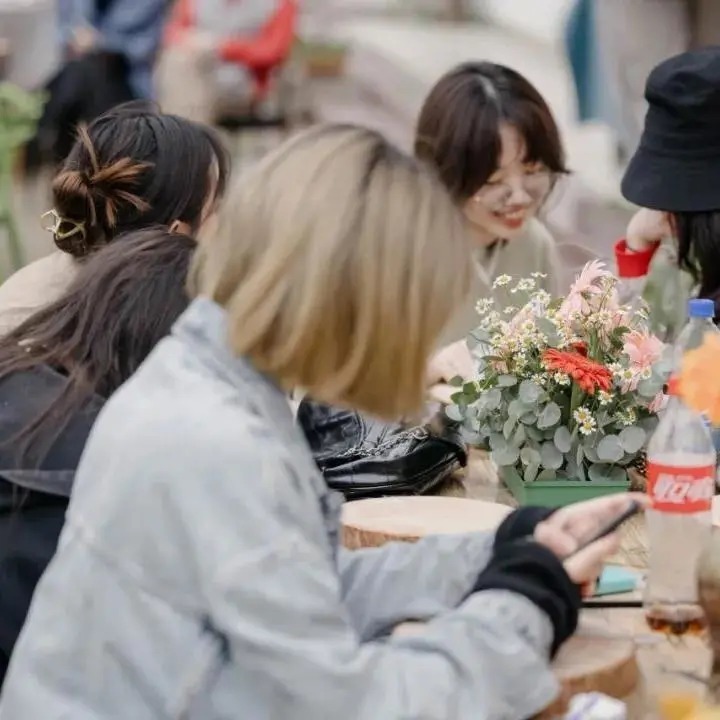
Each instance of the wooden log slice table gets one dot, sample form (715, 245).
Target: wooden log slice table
(376, 521)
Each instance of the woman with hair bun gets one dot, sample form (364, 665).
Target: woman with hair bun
(132, 168)
(56, 371)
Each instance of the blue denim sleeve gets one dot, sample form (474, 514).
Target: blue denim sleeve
(401, 581)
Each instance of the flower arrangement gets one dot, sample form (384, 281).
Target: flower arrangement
(568, 388)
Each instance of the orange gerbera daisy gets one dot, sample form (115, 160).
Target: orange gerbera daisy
(700, 379)
(589, 375)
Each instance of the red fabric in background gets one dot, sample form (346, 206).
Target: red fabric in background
(260, 54)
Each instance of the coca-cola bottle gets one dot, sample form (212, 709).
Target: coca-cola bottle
(681, 483)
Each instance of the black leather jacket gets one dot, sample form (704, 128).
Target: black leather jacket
(33, 496)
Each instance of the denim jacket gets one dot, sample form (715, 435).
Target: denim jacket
(199, 576)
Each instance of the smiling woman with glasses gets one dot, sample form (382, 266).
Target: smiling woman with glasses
(492, 140)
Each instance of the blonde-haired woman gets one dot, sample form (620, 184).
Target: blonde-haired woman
(199, 574)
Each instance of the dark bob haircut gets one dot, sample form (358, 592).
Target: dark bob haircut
(458, 130)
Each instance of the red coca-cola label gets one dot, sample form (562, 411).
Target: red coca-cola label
(681, 489)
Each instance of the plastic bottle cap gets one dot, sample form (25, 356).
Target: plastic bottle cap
(701, 309)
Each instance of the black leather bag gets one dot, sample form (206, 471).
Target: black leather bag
(362, 457)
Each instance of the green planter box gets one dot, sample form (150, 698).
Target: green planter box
(557, 493)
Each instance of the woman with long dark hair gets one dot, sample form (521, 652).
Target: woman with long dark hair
(56, 371)
(132, 168)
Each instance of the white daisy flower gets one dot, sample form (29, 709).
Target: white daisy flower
(538, 275)
(510, 310)
(562, 379)
(502, 280)
(583, 416)
(525, 285)
(605, 398)
(588, 427)
(627, 418)
(483, 306)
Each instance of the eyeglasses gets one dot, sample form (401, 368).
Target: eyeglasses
(536, 184)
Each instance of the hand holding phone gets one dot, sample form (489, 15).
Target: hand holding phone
(583, 535)
(609, 527)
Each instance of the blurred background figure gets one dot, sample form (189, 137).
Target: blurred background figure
(29, 51)
(107, 54)
(225, 53)
(613, 45)
(129, 28)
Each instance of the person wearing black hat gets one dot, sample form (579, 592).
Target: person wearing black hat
(674, 176)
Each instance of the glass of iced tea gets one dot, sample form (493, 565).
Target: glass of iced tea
(678, 705)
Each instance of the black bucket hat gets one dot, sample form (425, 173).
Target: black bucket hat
(676, 168)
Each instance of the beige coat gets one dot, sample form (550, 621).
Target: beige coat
(533, 251)
(34, 286)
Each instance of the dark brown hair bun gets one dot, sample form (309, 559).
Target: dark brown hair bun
(92, 198)
(133, 168)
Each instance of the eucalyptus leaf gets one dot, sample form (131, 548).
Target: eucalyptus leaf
(529, 418)
(664, 366)
(530, 473)
(508, 428)
(590, 451)
(534, 434)
(519, 437)
(579, 455)
(457, 398)
(507, 456)
(530, 456)
(606, 473)
(453, 412)
(649, 388)
(497, 441)
(632, 439)
(529, 392)
(456, 381)
(547, 328)
(550, 416)
(551, 457)
(609, 449)
(562, 439)
(492, 399)
(506, 380)
(516, 409)
(547, 475)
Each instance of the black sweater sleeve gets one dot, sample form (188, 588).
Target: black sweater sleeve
(531, 570)
(521, 523)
